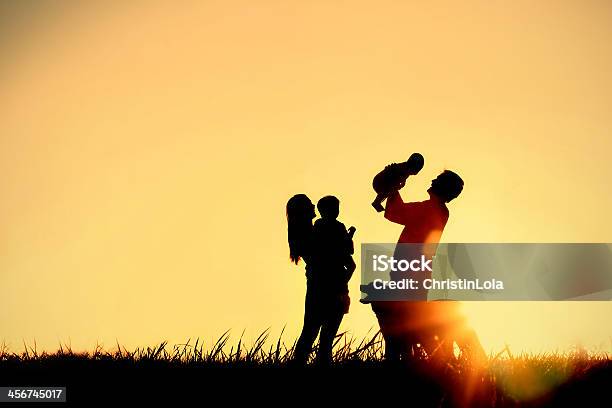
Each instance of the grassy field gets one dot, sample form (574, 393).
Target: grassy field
(261, 372)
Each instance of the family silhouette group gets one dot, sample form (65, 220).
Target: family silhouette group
(415, 328)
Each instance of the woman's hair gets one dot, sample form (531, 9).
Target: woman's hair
(300, 212)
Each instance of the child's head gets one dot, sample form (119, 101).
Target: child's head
(329, 207)
(448, 185)
(414, 164)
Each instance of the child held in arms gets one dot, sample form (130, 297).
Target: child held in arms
(334, 248)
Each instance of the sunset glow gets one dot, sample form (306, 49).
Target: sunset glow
(147, 152)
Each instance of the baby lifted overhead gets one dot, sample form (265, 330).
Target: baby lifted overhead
(393, 177)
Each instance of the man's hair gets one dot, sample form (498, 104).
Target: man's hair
(448, 185)
(328, 206)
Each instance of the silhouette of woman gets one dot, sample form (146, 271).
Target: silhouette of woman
(324, 307)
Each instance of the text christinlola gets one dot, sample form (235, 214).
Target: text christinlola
(436, 284)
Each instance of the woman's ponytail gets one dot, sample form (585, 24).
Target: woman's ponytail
(300, 212)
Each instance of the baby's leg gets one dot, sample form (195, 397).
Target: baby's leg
(377, 203)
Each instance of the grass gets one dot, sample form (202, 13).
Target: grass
(260, 353)
(503, 380)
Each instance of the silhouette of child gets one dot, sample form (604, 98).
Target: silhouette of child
(334, 248)
(393, 177)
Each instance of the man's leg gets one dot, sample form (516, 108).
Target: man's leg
(435, 334)
(468, 343)
(386, 320)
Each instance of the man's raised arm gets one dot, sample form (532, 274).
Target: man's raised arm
(396, 210)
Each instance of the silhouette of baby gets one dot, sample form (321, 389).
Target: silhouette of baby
(393, 177)
(334, 247)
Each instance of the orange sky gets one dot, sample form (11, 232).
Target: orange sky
(147, 152)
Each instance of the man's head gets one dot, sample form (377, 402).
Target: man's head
(446, 186)
(329, 207)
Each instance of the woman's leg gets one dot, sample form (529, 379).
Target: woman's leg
(312, 324)
(329, 329)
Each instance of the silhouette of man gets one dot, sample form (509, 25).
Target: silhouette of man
(424, 222)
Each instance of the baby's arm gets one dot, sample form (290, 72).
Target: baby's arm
(350, 267)
(349, 263)
(398, 177)
(350, 248)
